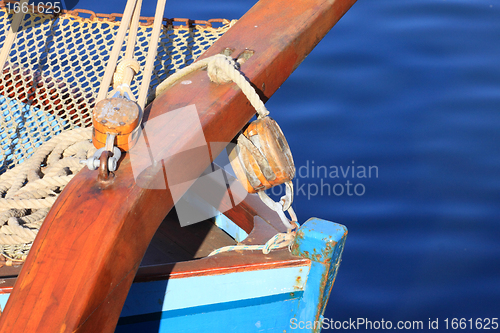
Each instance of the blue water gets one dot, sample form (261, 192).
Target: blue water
(413, 89)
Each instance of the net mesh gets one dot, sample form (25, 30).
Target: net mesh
(54, 69)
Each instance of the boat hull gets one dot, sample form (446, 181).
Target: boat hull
(277, 292)
(274, 299)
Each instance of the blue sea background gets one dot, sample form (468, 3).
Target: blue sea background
(413, 88)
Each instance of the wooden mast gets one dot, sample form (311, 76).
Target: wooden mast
(85, 257)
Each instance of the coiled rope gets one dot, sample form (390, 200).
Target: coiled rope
(29, 190)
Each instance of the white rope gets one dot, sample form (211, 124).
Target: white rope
(128, 67)
(28, 191)
(13, 233)
(152, 49)
(124, 72)
(115, 52)
(278, 241)
(221, 69)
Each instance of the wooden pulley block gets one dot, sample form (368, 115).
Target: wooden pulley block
(262, 158)
(119, 116)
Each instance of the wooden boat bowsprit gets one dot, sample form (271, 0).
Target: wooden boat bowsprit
(88, 252)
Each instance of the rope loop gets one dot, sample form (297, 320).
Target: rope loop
(221, 69)
(280, 240)
(119, 74)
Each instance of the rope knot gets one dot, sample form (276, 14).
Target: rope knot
(219, 68)
(279, 241)
(119, 74)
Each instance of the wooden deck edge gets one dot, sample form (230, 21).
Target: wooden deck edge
(217, 265)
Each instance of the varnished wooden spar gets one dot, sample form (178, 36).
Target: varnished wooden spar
(86, 255)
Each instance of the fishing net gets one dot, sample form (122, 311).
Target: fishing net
(53, 72)
(55, 67)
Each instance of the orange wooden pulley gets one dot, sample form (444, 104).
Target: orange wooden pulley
(118, 116)
(262, 158)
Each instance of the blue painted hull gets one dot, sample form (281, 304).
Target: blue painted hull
(266, 300)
